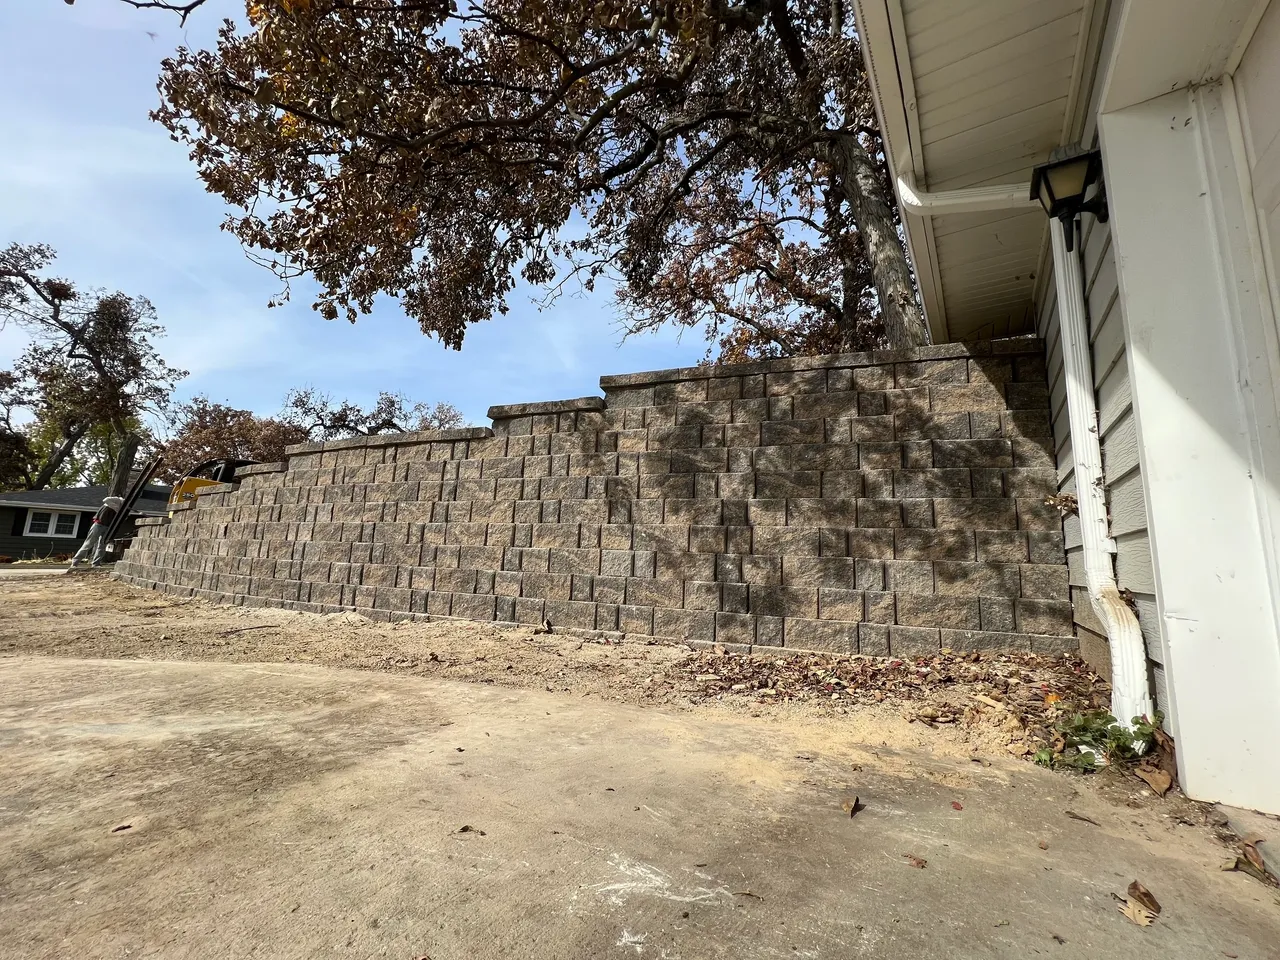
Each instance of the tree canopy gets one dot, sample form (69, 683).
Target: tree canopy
(718, 158)
(203, 431)
(91, 361)
(320, 417)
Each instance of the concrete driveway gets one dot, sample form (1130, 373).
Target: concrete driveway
(9, 571)
(199, 810)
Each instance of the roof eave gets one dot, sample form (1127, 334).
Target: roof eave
(876, 29)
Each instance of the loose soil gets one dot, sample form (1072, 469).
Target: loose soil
(956, 704)
(480, 791)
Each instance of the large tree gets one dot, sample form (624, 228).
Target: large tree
(91, 361)
(320, 417)
(205, 431)
(438, 151)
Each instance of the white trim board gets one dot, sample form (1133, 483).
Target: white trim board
(1185, 291)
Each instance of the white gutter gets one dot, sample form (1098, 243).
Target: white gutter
(1130, 689)
(969, 200)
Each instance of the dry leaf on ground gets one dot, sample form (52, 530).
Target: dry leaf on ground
(1251, 852)
(1157, 780)
(917, 862)
(1137, 913)
(1144, 896)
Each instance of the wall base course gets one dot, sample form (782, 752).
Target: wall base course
(878, 504)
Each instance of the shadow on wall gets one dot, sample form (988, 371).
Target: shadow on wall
(881, 503)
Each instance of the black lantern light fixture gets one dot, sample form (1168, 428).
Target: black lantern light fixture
(1061, 184)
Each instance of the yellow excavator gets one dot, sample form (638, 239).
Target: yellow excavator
(208, 474)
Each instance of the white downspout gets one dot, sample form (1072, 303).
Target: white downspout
(1130, 690)
(969, 200)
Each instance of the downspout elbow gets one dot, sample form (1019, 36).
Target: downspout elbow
(922, 203)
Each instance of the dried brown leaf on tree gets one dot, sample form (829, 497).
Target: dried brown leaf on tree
(442, 154)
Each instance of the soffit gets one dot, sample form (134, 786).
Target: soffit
(980, 91)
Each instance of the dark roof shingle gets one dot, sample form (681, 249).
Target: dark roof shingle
(154, 498)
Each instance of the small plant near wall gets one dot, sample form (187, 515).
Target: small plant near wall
(1086, 741)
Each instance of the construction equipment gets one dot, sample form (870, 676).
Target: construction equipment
(130, 501)
(208, 474)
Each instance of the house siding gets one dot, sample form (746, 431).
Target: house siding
(1119, 438)
(14, 544)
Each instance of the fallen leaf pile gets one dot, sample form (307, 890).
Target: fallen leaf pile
(1022, 693)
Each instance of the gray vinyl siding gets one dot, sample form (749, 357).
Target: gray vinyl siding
(1119, 438)
(26, 548)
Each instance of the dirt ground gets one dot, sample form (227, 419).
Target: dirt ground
(90, 615)
(171, 790)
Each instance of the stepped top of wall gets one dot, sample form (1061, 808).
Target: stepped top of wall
(977, 349)
(380, 440)
(872, 358)
(509, 410)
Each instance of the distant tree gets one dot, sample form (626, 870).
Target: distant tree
(722, 154)
(96, 455)
(323, 418)
(91, 360)
(209, 431)
(16, 456)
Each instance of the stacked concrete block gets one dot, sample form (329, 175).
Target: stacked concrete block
(889, 503)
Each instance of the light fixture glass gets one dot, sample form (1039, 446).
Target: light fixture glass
(1061, 184)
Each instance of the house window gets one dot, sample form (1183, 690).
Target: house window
(49, 523)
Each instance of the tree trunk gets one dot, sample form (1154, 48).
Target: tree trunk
(124, 465)
(60, 454)
(903, 321)
(844, 235)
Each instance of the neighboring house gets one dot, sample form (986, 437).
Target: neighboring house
(1159, 325)
(49, 523)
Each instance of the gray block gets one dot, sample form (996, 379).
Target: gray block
(689, 625)
(997, 614)
(933, 610)
(840, 604)
(830, 635)
(735, 628)
(1046, 617)
(792, 601)
(635, 619)
(934, 545)
(914, 641)
(873, 639)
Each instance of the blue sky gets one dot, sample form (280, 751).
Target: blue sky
(83, 169)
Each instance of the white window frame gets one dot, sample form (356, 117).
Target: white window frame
(53, 524)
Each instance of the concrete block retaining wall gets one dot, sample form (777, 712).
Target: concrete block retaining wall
(881, 503)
